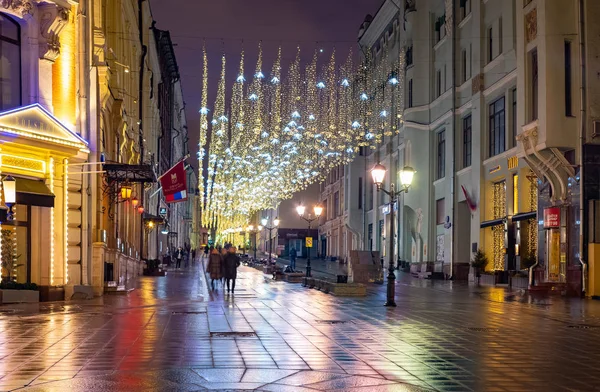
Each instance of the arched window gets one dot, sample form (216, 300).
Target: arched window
(10, 63)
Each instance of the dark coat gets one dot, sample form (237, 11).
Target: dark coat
(230, 263)
(215, 266)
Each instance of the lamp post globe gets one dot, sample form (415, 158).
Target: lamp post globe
(378, 174)
(406, 176)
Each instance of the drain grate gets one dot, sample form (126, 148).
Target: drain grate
(477, 329)
(179, 313)
(332, 322)
(583, 326)
(232, 335)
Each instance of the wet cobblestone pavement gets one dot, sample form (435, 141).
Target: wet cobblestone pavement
(172, 334)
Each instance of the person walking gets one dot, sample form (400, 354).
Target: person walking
(293, 255)
(230, 264)
(215, 266)
(193, 255)
(178, 256)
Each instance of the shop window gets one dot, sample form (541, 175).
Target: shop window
(10, 63)
(515, 194)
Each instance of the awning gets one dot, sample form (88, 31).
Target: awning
(33, 193)
(129, 173)
(153, 218)
(495, 222)
(524, 216)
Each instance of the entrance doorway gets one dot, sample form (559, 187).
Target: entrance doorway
(16, 246)
(556, 270)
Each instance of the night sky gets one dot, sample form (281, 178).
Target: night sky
(223, 24)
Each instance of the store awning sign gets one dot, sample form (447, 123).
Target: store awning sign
(551, 217)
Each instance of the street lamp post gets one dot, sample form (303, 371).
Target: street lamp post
(406, 177)
(271, 227)
(254, 230)
(318, 211)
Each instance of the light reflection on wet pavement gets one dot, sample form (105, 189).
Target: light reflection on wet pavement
(173, 334)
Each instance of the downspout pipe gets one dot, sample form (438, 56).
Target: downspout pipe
(141, 109)
(455, 130)
(582, 138)
(84, 129)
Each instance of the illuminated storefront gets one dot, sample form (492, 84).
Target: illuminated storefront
(42, 243)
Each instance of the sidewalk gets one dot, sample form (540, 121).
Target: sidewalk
(171, 333)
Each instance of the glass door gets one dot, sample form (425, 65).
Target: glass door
(15, 246)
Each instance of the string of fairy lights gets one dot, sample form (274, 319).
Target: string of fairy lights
(282, 131)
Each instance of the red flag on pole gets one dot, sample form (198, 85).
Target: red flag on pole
(174, 184)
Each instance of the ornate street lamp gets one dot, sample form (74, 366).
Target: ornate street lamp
(9, 186)
(318, 210)
(126, 191)
(406, 177)
(270, 228)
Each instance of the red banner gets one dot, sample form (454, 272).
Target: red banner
(174, 184)
(551, 217)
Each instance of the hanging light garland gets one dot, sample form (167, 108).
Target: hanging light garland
(283, 130)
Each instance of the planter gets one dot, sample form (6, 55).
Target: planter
(19, 296)
(519, 282)
(51, 294)
(293, 277)
(347, 289)
(487, 280)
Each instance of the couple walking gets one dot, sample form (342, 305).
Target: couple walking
(223, 265)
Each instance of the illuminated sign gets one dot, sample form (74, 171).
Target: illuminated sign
(495, 169)
(35, 122)
(22, 163)
(551, 217)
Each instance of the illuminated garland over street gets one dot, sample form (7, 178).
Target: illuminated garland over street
(282, 131)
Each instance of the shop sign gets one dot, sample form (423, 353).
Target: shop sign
(309, 243)
(494, 169)
(551, 217)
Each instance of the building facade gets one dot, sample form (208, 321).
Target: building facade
(80, 131)
(493, 145)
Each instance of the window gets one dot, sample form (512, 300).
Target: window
(514, 116)
(534, 85)
(464, 65)
(465, 8)
(490, 44)
(410, 93)
(440, 211)
(441, 154)
(409, 56)
(499, 36)
(370, 236)
(497, 128)
(371, 190)
(336, 204)
(438, 82)
(568, 98)
(360, 193)
(10, 63)
(467, 135)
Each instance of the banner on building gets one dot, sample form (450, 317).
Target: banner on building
(551, 217)
(174, 184)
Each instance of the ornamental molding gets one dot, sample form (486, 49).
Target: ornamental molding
(19, 7)
(531, 25)
(53, 20)
(477, 84)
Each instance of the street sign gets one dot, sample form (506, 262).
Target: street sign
(309, 242)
